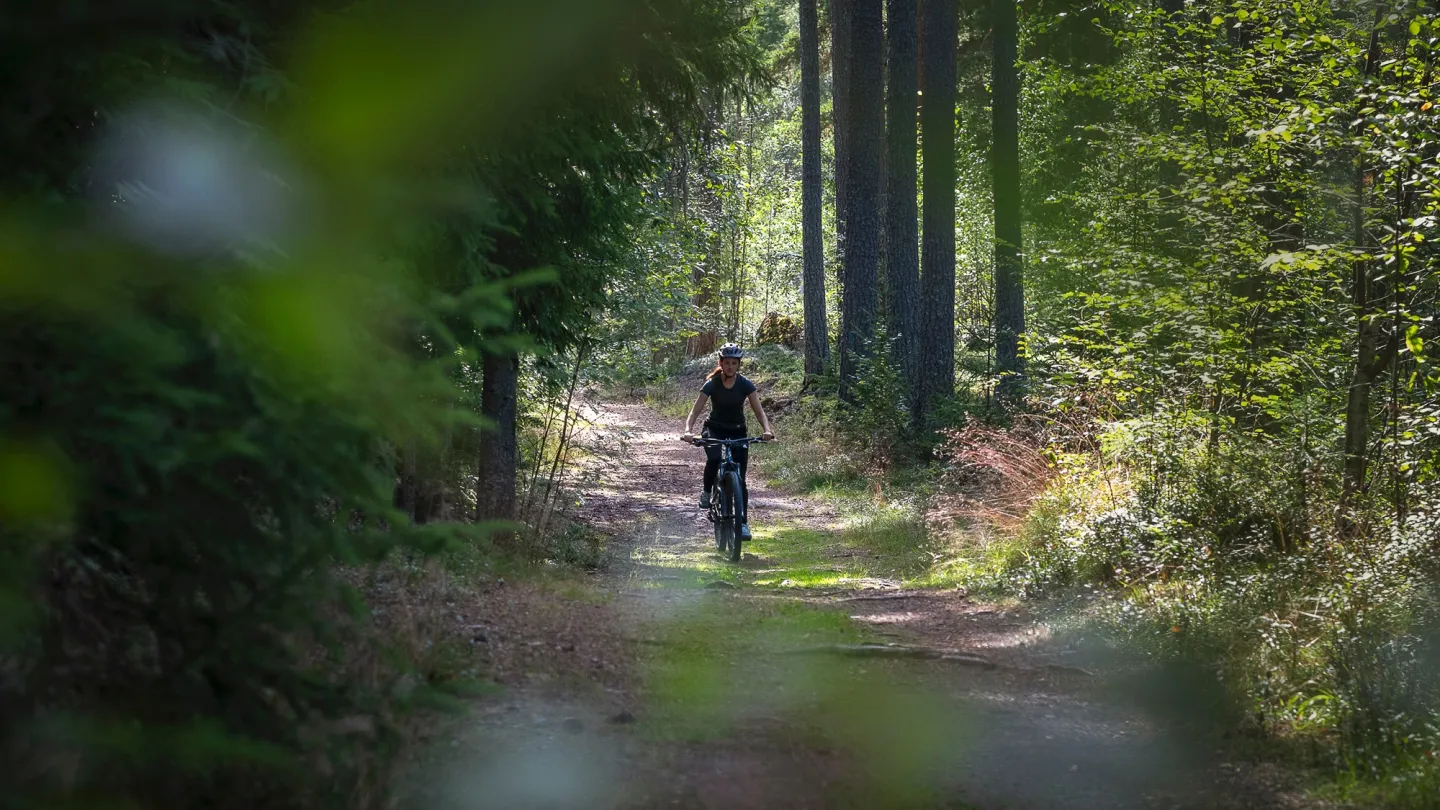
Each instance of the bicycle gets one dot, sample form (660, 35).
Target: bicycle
(727, 507)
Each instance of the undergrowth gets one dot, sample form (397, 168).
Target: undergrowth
(1174, 547)
(1152, 540)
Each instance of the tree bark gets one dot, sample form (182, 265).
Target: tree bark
(840, 36)
(1005, 175)
(1369, 361)
(862, 229)
(937, 129)
(407, 486)
(902, 251)
(495, 484)
(817, 339)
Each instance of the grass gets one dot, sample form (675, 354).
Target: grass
(886, 545)
(872, 543)
(982, 562)
(731, 669)
(671, 402)
(720, 642)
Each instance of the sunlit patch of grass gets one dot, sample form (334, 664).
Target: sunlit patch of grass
(896, 540)
(724, 659)
(982, 563)
(803, 578)
(671, 402)
(691, 568)
(727, 669)
(803, 558)
(883, 544)
(805, 465)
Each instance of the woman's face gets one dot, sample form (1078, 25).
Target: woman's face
(730, 366)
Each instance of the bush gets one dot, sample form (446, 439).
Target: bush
(876, 424)
(777, 329)
(810, 456)
(575, 545)
(779, 369)
(1188, 550)
(180, 492)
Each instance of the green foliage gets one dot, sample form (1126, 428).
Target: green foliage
(1230, 214)
(221, 406)
(879, 418)
(1183, 551)
(779, 369)
(204, 492)
(778, 329)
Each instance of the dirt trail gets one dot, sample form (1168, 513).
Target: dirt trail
(668, 681)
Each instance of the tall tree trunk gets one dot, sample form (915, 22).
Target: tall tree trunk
(1374, 351)
(1170, 229)
(862, 229)
(841, 12)
(1368, 356)
(495, 484)
(817, 339)
(407, 486)
(1005, 174)
(902, 250)
(937, 129)
(706, 337)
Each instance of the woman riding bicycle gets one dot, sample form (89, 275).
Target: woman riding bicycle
(728, 391)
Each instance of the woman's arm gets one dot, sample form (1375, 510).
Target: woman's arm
(694, 414)
(759, 410)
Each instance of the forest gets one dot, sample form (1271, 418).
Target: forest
(347, 343)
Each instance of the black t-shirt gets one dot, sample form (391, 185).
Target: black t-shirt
(727, 405)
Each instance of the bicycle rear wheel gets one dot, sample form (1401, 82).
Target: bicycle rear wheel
(730, 507)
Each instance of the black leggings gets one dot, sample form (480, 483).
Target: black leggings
(712, 463)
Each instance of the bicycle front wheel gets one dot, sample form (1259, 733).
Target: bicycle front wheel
(723, 528)
(730, 507)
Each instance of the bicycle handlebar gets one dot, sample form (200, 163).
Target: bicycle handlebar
(703, 442)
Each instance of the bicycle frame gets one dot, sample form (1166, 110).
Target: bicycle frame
(725, 528)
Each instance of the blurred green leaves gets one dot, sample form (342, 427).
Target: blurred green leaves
(391, 84)
(36, 484)
(250, 257)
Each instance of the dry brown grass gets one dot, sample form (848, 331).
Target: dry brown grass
(995, 474)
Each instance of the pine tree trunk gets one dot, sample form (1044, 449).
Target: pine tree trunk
(902, 250)
(863, 226)
(817, 339)
(840, 36)
(1005, 173)
(937, 278)
(495, 484)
